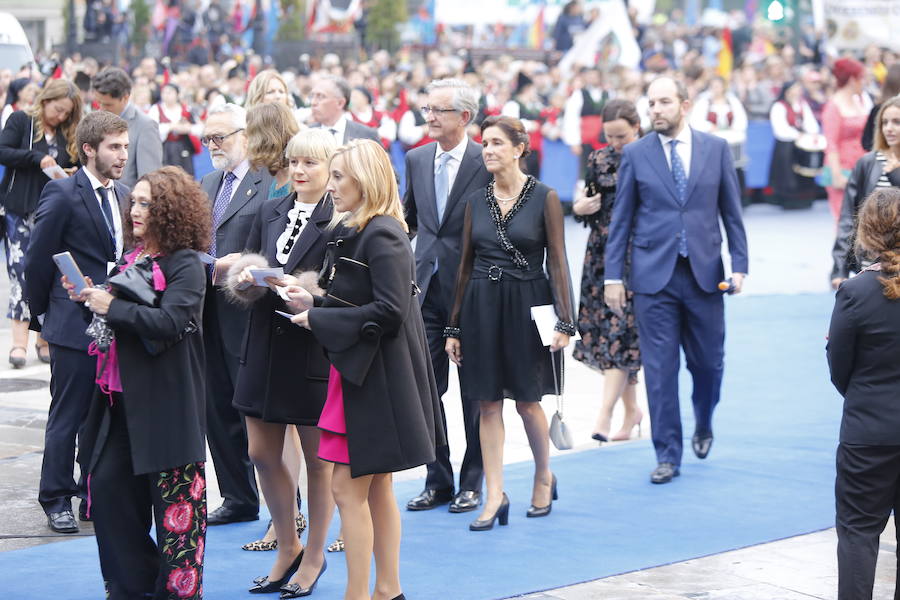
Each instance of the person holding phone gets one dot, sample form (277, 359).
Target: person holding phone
(143, 444)
(381, 412)
(283, 375)
(33, 140)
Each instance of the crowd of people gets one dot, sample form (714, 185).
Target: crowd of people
(295, 250)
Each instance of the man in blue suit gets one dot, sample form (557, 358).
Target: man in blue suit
(81, 214)
(673, 186)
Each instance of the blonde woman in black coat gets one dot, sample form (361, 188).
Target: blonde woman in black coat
(284, 373)
(381, 413)
(863, 345)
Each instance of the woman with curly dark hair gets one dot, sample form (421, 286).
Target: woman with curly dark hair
(143, 443)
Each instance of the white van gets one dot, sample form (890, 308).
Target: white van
(15, 51)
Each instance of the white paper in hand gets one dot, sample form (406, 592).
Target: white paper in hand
(544, 317)
(55, 172)
(259, 275)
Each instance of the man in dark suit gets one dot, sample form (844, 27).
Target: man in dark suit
(81, 214)
(329, 101)
(112, 90)
(236, 191)
(673, 186)
(438, 176)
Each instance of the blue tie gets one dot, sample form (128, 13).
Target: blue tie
(441, 185)
(681, 188)
(107, 214)
(219, 208)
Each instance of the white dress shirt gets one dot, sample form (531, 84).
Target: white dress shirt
(454, 162)
(338, 129)
(114, 201)
(683, 147)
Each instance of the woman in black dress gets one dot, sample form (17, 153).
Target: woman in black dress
(609, 341)
(284, 373)
(510, 227)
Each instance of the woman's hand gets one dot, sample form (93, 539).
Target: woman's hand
(70, 288)
(301, 319)
(454, 350)
(245, 278)
(48, 162)
(97, 300)
(300, 300)
(285, 281)
(837, 281)
(838, 179)
(560, 341)
(586, 205)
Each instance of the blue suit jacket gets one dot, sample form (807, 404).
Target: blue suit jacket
(648, 215)
(68, 217)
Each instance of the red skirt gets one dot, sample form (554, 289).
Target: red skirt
(333, 442)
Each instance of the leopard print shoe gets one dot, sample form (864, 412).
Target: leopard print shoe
(265, 545)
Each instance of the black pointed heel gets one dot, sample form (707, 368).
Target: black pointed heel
(293, 590)
(543, 511)
(501, 515)
(262, 585)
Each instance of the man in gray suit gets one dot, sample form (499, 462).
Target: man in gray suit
(236, 191)
(438, 176)
(329, 100)
(112, 90)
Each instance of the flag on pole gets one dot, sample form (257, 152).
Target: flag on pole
(536, 32)
(726, 55)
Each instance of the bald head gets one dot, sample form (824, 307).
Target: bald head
(669, 105)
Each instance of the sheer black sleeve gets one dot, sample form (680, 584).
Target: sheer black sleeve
(466, 260)
(558, 264)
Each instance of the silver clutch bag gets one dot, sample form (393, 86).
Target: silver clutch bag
(560, 434)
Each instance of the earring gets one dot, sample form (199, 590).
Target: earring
(516, 156)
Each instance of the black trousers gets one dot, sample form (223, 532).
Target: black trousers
(866, 489)
(436, 314)
(71, 388)
(124, 506)
(226, 431)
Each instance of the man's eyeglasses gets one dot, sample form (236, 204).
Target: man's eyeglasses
(217, 139)
(437, 111)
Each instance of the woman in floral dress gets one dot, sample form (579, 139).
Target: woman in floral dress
(609, 342)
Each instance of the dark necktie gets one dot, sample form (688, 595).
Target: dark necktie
(681, 187)
(106, 207)
(219, 208)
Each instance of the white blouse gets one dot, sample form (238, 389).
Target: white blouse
(298, 217)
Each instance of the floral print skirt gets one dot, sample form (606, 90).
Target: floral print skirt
(18, 234)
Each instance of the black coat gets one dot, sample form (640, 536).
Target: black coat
(25, 164)
(163, 395)
(283, 375)
(862, 181)
(863, 345)
(391, 404)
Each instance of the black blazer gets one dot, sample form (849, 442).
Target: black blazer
(439, 240)
(26, 164)
(69, 218)
(281, 362)
(390, 398)
(163, 396)
(863, 346)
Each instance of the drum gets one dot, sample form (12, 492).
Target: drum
(809, 154)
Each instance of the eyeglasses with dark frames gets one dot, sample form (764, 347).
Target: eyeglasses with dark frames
(217, 139)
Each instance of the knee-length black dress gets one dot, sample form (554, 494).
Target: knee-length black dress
(501, 276)
(608, 341)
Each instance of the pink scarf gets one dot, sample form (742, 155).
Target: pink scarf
(107, 376)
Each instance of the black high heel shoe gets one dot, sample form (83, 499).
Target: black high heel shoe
(502, 514)
(262, 585)
(293, 590)
(543, 511)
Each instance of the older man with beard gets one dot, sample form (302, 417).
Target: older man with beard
(236, 191)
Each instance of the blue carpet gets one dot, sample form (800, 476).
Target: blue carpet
(769, 476)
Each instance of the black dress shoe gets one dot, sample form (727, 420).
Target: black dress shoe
(429, 499)
(82, 512)
(227, 514)
(293, 590)
(62, 522)
(663, 473)
(465, 501)
(262, 585)
(701, 444)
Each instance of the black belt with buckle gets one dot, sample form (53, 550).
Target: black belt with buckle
(494, 273)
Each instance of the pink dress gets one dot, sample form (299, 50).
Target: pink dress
(333, 442)
(845, 135)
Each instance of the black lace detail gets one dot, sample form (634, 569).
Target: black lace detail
(501, 221)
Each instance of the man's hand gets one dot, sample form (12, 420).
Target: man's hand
(737, 280)
(614, 296)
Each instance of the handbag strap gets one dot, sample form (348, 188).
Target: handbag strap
(556, 381)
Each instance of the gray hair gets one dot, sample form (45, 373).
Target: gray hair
(238, 114)
(465, 98)
(342, 86)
